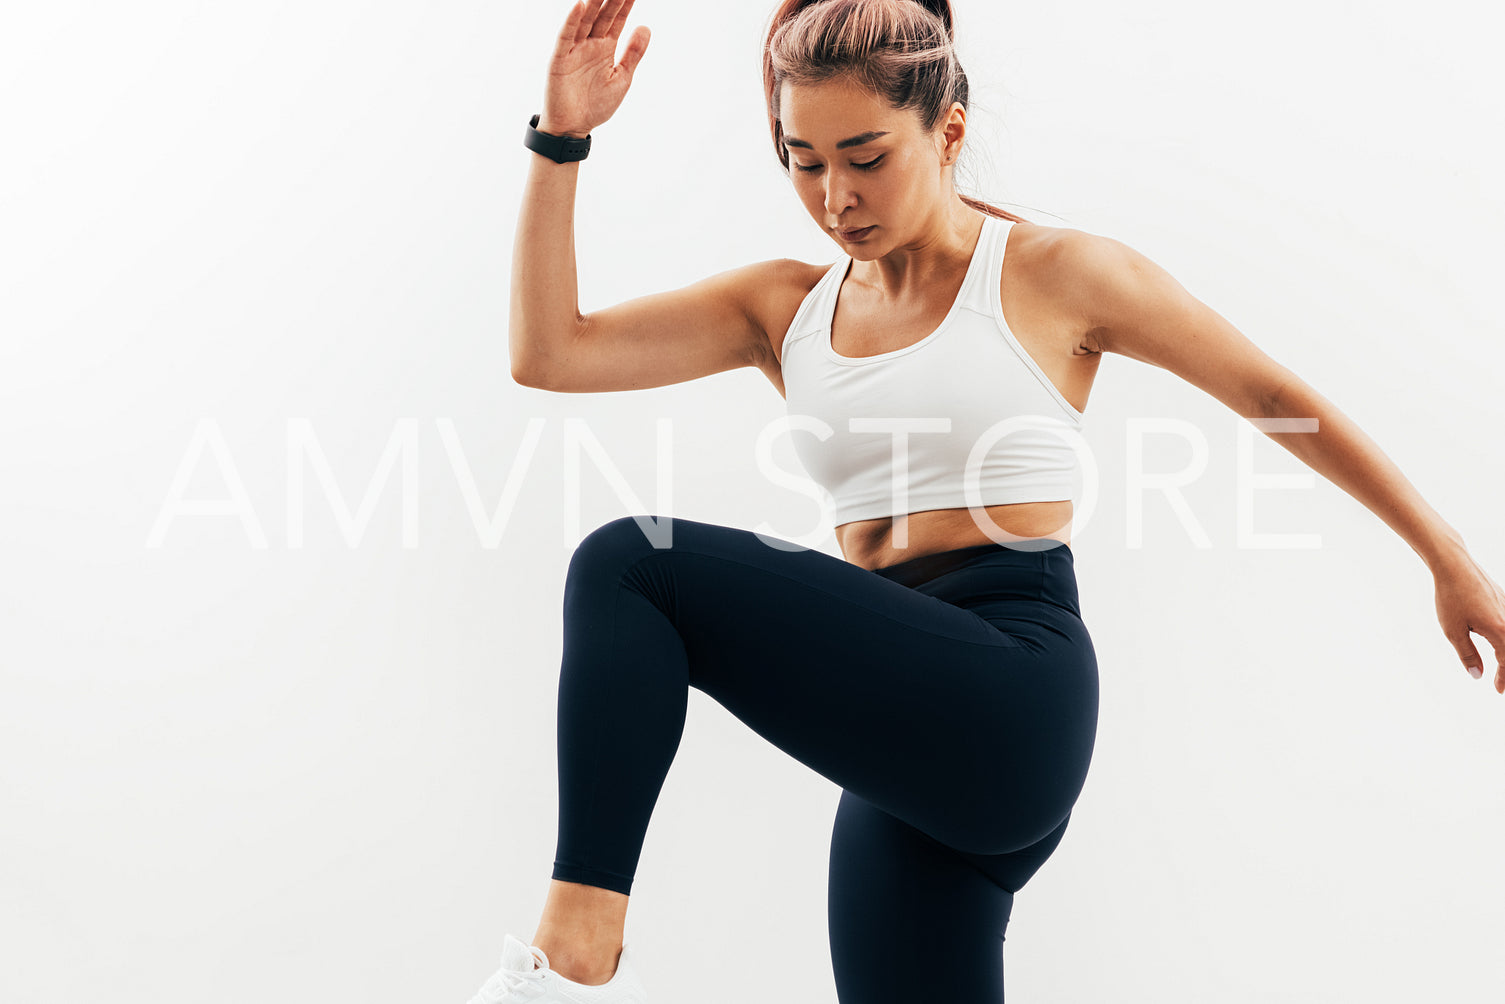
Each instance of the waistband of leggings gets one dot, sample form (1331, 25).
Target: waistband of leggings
(918, 570)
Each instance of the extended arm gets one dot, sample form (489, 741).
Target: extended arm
(1345, 455)
(1135, 308)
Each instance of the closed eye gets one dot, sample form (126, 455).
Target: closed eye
(816, 167)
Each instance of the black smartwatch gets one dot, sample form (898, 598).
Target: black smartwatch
(560, 149)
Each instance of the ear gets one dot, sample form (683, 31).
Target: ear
(952, 133)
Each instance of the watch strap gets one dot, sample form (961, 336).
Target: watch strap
(560, 149)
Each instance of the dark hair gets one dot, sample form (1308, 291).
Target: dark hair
(901, 50)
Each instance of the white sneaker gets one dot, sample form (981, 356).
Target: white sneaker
(524, 978)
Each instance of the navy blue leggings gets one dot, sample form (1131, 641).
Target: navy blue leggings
(952, 696)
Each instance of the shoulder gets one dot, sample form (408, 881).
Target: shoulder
(1029, 248)
(1101, 282)
(772, 293)
(1134, 307)
(1050, 265)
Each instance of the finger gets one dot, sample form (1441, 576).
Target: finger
(588, 20)
(570, 33)
(622, 14)
(612, 20)
(1495, 635)
(1464, 644)
(636, 46)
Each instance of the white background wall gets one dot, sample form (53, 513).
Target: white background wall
(240, 767)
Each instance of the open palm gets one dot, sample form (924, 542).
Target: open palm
(586, 84)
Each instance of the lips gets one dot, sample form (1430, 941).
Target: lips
(851, 234)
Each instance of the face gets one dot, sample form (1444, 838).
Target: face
(894, 176)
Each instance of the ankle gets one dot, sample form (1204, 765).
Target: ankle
(579, 962)
(590, 952)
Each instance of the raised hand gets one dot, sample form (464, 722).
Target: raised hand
(586, 85)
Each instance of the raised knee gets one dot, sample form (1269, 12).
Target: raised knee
(617, 543)
(642, 531)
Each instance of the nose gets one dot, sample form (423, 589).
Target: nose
(839, 196)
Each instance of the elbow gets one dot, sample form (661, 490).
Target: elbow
(528, 369)
(1278, 394)
(535, 362)
(528, 377)
(521, 375)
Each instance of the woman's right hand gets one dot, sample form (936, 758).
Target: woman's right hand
(585, 86)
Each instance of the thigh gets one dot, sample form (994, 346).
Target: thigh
(917, 705)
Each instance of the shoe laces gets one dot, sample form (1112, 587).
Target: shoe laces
(505, 983)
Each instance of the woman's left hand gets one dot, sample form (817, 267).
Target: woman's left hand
(1468, 600)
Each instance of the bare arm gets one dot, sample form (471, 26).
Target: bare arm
(669, 337)
(1342, 453)
(707, 327)
(1144, 313)
(1137, 309)
(545, 309)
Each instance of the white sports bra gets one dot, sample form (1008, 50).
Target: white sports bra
(901, 431)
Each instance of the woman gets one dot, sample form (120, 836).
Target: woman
(942, 674)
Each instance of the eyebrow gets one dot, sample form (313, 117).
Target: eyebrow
(857, 140)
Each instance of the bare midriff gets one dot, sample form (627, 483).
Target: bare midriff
(870, 543)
